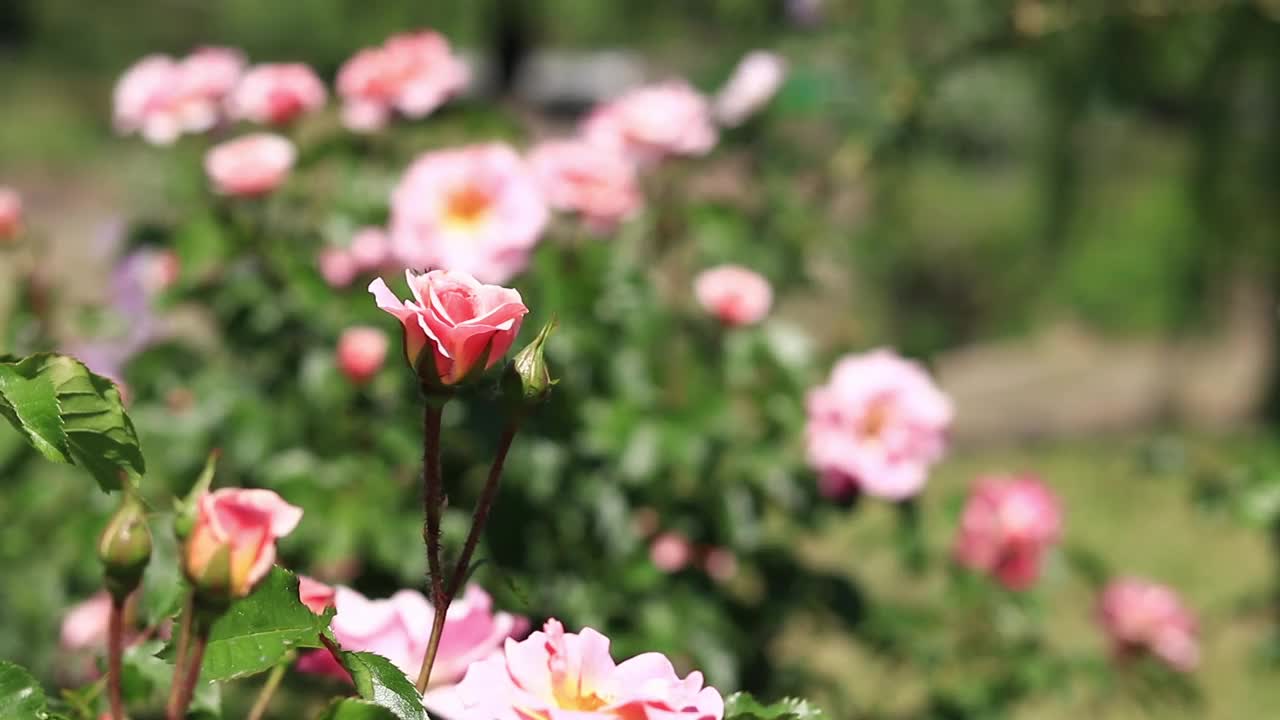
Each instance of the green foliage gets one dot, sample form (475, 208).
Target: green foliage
(21, 697)
(351, 709)
(147, 678)
(384, 685)
(742, 706)
(71, 416)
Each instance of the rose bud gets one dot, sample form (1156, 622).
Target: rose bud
(233, 544)
(361, 352)
(527, 381)
(10, 214)
(752, 85)
(670, 552)
(125, 547)
(455, 326)
(734, 295)
(249, 166)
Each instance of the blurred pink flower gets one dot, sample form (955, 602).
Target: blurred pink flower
(735, 295)
(84, 627)
(670, 552)
(10, 213)
(753, 84)
(211, 73)
(876, 426)
(477, 209)
(250, 165)
(337, 267)
(654, 121)
(247, 523)
(161, 98)
(370, 248)
(1007, 526)
(398, 628)
(277, 93)
(721, 564)
(1140, 617)
(593, 181)
(554, 675)
(317, 596)
(412, 73)
(467, 323)
(361, 352)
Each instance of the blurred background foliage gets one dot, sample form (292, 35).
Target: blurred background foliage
(934, 175)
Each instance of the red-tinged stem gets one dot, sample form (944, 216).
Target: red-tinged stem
(115, 652)
(432, 502)
(185, 686)
(180, 659)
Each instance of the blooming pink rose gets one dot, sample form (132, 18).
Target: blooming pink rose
(466, 322)
(1007, 526)
(670, 552)
(317, 596)
(752, 85)
(554, 675)
(10, 213)
(412, 73)
(370, 248)
(877, 426)
(580, 177)
(654, 121)
(277, 93)
(211, 73)
(84, 627)
(247, 524)
(398, 629)
(251, 165)
(161, 98)
(337, 267)
(734, 294)
(1140, 617)
(477, 209)
(361, 352)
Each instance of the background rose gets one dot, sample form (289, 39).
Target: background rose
(251, 165)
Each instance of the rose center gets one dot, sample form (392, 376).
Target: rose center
(467, 206)
(873, 423)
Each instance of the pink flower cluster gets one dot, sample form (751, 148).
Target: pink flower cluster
(411, 73)
(161, 98)
(554, 675)
(1008, 525)
(1142, 617)
(876, 427)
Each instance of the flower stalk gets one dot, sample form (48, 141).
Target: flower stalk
(115, 655)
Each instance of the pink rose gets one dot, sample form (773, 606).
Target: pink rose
(211, 73)
(243, 523)
(1007, 526)
(161, 98)
(467, 324)
(10, 213)
(277, 93)
(654, 121)
(670, 552)
(370, 248)
(477, 209)
(554, 674)
(1142, 617)
(84, 627)
(876, 426)
(337, 267)
(249, 166)
(361, 352)
(398, 629)
(412, 73)
(752, 85)
(577, 176)
(734, 294)
(317, 596)
(721, 564)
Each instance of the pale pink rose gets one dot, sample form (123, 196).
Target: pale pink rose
(250, 165)
(721, 564)
(753, 84)
(398, 628)
(654, 121)
(361, 352)
(411, 73)
(370, 248)
(317, 596)
(245, 522)
(735, 295)
(554, 675)
(477, 209)
(277, 93)
(670, 552)
(337, 267)
(1008, 525)
(1142, 617)
(595, 182)
(876, 426)
(10, 213)
(211, 73)
(161, 98)
(84, 627)
(467, 324)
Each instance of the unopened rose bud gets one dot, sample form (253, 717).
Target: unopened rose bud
(233, 544)
(125, 547)
(361, 352)
(10, 214)
(528, 381)
(187, 509)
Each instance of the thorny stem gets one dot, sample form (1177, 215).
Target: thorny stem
(184, 685)
(184, 642)
(269, 689)
(115, 651)
(432, 502)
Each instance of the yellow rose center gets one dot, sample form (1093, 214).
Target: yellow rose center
(873, 422)
(467, 206)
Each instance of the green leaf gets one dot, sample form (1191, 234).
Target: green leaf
(257, 632)
(71, 416)
(742, 706)
(162, 585)
(351, 709)
(382, 683)
(21, 697)
(146, 678)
